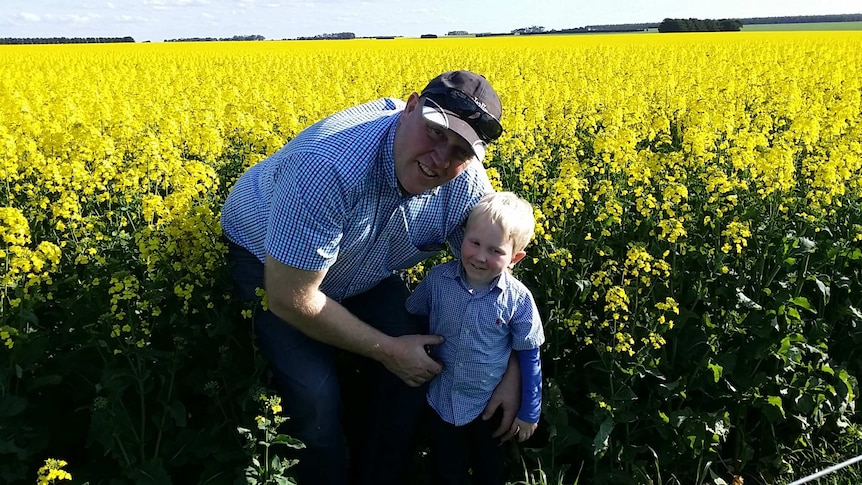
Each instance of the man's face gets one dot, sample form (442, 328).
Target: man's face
(427, 155)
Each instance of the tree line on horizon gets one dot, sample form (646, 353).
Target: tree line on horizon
(217, 39)
(697, 25)
(64, 40)
(533, 30)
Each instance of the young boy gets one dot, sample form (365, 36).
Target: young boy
(484, 313)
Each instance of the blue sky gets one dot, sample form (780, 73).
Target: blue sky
(157, 20)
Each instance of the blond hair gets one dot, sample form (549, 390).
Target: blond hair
(513, 214)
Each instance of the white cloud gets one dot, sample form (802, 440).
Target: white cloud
(176, 3)
(132, 19)
(28, 17)
(78, 19)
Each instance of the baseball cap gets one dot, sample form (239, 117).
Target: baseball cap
(464, 102)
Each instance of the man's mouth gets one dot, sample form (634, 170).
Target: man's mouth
(425, 170)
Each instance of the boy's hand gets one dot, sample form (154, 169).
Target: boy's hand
(523, 430)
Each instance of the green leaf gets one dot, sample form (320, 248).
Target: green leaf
(807, 245)
(775, 402)
(802, 302)
(746, 302)
(716, 371)
(178, 411)
(824, 290)
(11, 405)
(624, 393)
(716, 480)
(288, 441)
(793, 313)
(152, 472)
(42, 381)
(600, 443)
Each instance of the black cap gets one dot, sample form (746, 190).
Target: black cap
(464, 102)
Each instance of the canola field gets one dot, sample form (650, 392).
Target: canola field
(698, 248)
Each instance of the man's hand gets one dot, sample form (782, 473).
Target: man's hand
(507, 397)
(408, 359)
(295, 297)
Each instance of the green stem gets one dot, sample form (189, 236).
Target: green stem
(164, 417)
(123, 450)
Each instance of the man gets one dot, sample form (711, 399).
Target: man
(324, 225)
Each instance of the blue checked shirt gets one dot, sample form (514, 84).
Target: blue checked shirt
(481, 329)
(329, 200)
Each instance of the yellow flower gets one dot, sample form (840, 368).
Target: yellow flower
(52, 471)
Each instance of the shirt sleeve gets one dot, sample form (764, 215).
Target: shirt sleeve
(526, 324)
(531, 385)
(306, 221)
(419, 302)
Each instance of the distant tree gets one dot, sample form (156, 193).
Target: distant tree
(729, 25)
(457, 32)
(339, 35)
(535, 29)
(698, 25)
(671, 25)
(428, 36)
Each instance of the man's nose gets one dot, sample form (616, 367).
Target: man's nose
(441, 156)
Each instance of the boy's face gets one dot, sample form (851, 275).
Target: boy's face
(486, 251)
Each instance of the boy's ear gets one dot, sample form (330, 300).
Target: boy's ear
(517, 257)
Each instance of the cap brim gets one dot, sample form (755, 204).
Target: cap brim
(436, 114)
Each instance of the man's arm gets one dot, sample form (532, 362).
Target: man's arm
(294, 296)
(506, 396)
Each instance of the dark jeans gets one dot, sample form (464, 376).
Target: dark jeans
(328, 393)
(457, 449)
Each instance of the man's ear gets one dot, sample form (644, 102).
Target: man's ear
(412, 102)
(517, 257)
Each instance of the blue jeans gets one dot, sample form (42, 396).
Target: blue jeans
(321, 386)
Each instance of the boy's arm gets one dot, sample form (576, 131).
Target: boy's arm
(506, 397)
(531, 385)
(531, 393)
